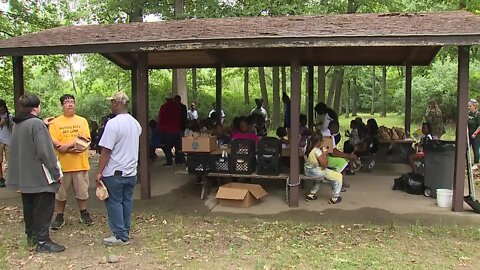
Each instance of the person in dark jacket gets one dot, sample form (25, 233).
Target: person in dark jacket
(34, 171)
(170, 127)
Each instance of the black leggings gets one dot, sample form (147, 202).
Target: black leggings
(475, 143)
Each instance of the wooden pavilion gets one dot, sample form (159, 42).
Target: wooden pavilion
(412, 39)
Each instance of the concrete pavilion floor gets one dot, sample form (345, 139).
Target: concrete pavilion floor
(370, 199)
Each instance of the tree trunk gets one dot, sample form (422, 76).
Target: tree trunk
(246, 81)
(276, 97)
(306, 92)
(179, 76)
(372, 110)
(72, 74)
(263, 88)
(347, 101)
(384, 91)
(321, 84)
(338, 90)
(194, 84)
(331, 90)
(351, 7)
(284, 80)
(354, 97)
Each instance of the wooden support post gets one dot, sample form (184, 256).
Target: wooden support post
(310, 96)
(18, 80)
(142, 110)
(461, 132)
(408, 98)
(218, 95)
(294, 181)
(134, 91)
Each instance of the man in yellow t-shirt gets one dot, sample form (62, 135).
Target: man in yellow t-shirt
(64, 131)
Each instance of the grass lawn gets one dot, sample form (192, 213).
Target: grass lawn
(189, 242)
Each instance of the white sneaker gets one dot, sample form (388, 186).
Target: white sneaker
(114, 241)
(475, 167)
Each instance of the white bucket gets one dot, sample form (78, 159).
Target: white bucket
(444, 198)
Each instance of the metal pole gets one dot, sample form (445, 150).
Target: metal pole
(461, 132)
(142, 110)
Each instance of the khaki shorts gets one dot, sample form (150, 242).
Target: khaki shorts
(4, 148)
(79, 181)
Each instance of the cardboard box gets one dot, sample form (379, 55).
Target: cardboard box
(203, 143)
(327, 142)
(239, 194)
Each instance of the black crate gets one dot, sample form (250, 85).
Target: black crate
(220, 164)
(199, 163)
(242, 164)
(242, 147)
(269, 146)
(268, 164)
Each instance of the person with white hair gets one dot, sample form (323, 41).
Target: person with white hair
(474, 130)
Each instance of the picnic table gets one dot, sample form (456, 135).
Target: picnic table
(394, 151)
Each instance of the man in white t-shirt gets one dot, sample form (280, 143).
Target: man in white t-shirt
(212, 112)
(192, 114)
(117, 168)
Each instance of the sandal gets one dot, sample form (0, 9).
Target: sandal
(345, 185)
(343, 189)
(310, 197)
(335, 200)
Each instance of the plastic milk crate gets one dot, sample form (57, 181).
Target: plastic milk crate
(221, 163)
(199, 163)
(268, 164)
(242, 164)
(242, 147)
(270, 146)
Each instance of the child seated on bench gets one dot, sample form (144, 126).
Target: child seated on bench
(418, 156)
(316, 166)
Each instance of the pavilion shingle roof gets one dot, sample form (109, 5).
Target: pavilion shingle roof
(415, 29)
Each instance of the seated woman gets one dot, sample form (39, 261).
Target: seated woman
(243, 129)
(304, 131)
(427, 136)
(222, 137)
(282, 135)
(316, 166)
(338, 160)
(155, 139)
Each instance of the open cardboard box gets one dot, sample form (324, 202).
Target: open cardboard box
(201, 143)
(240, 194)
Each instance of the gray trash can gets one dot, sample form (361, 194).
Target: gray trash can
(439, 166)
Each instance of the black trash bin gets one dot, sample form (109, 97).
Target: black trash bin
(439, 166)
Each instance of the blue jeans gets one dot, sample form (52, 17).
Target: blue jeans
(119, 204)
(475, 143)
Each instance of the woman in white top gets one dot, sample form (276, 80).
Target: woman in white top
(5, 133)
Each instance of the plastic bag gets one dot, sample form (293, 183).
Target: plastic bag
(411, 183)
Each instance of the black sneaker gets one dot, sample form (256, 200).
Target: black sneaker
(57, 223)
(2, 182)
(335, 200)
(85, 219)
(49, 247)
